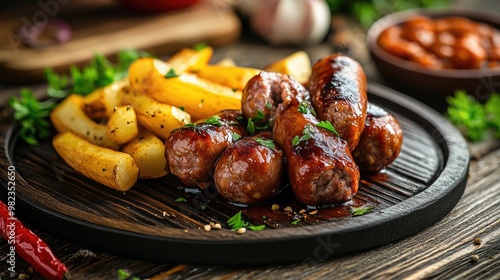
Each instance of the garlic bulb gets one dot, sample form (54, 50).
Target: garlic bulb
(290, 21)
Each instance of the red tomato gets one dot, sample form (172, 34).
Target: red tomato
(156, 5)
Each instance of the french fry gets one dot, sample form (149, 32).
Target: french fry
(159, 118)
(69, 116)
(122, 124)
(199, 97)
(297, 65)
(231, 76)
(114, 169)
(190, 59)
(227, 61)
(100, 104)
(148, 152)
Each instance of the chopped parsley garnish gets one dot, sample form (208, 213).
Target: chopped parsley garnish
(181, 199)
(190, 125)
(269, 105)
(306, 135)
(328, 126)
(252, 124)
(235, 136)
(359, 211)
(214, 120)
(294, 222)
(306, 108)
(269, 143)
(32, 115)
(473, 118)
(182, 108)
(171, 74)
(236, 222)
(200, 46)
(124, 274)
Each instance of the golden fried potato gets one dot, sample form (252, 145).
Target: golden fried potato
(227, 61)
(159, 118)
(297, 65)
(231, 76)
(199, 97)
(189, 59)
(69, 116)
(122, 125)
(100, 104)
(114, 169)
(148, 152)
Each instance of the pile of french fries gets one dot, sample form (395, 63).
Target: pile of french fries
(116, 134)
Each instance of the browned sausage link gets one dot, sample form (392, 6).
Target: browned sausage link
(380, 142)
(192, 150)
(338, 93)
(320, 167)
(266, 91)
(252, 170)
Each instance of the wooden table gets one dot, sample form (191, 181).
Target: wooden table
(442, 251)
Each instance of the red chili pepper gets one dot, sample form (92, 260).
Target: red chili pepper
(30, 247)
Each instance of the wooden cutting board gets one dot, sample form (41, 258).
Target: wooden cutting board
(105, 27)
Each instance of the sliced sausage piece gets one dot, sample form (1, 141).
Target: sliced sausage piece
(320, 167)
(338, 94)
(380, 142)
(192, 150)
(250, 171)
(266, 91)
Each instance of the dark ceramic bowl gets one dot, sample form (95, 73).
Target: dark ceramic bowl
(412, 78)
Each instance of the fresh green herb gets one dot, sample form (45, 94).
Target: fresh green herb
(234, 89)
(124, 274)
(58, 84)
(306, 108)
(328, 126)
(473, 118)
(181, 199)
(200, 46)
(359, 211)
(306, 135)
(214, 120)
(253, 123)
(235, 136)
(236, 222)
(266, 143)
(171, 74)
(190, 125)
(203, 207)
(294, 222)
(257, 228)
(182, 108)
(269, 105)
(201, 101)
(32, 115)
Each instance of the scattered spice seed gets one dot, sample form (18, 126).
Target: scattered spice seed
(477, 241)
(474, 258)
(275, 207)
(217, 226)
(241, 230)
(207, 227)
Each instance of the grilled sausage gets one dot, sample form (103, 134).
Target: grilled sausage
(250, 171)
(192, 150)
(380, 142)
(338, 94)
(266, 91)
(320, 167)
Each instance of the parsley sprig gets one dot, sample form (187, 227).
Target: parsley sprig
(253, 124)
(269, 143)
(328, 126)
(236, 222)
(32, 114)
(473, 118)
(359, 211)
(307, 132)
(306, 108)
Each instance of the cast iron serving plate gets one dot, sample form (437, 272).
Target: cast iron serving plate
(416, 191)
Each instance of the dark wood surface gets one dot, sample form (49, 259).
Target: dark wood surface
(440, 252)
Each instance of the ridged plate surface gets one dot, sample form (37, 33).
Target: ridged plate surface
(417, 190)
